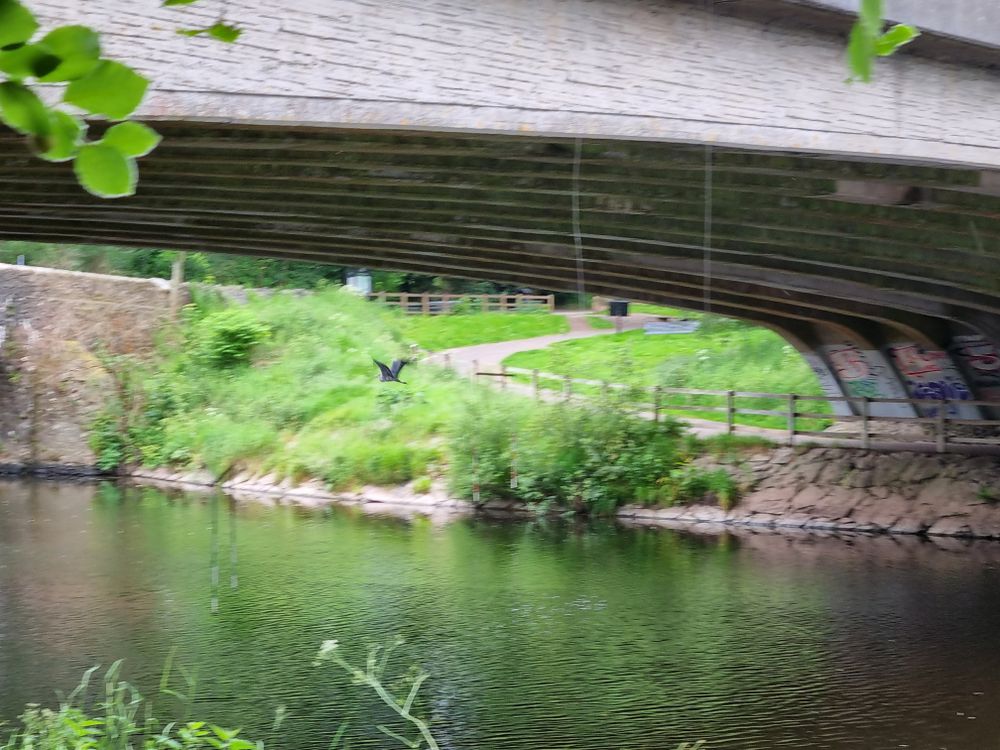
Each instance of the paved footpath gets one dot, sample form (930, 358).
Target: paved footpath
(489, 357)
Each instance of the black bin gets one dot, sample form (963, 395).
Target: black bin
(618, 308)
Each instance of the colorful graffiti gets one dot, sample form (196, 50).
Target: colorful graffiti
(930, 374)
(867, 374)
(981, 359)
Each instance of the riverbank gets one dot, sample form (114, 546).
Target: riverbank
(828, 489)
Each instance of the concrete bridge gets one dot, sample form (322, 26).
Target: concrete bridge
(702, 154)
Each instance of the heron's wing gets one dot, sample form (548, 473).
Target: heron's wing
(397, 365)
(386, 372)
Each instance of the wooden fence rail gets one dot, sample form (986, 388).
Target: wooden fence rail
(438, 304)
(935, 426)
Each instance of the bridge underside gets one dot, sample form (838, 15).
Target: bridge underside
(875, 270)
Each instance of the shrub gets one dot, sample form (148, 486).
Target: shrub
(593, 457)
(227, 338)
(107, 441)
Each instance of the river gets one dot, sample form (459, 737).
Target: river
(543, 635)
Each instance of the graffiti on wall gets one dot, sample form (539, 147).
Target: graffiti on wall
(931, 374)
(980, 358)
(866, 373)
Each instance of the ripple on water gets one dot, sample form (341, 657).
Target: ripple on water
(537, 636)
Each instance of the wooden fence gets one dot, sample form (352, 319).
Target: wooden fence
(437, 304)
(935, 429)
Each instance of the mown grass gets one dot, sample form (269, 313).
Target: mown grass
(435, 332)
(600, 322)
(723, 355)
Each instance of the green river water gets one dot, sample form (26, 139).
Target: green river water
(540, 635)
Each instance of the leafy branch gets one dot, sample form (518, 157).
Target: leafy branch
(92, 86)
(869, 40)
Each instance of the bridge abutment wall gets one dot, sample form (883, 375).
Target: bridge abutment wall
(57, 325)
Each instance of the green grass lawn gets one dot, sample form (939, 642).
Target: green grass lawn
(723, 355)
(671, 312)
(599, 322)
(435, 332)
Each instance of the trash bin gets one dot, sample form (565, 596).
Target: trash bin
(618, 308)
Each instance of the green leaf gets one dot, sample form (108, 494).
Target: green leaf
(27, 61)
(131, 138)
(860, 53)
(77, 47)
(22, 110)
(105, 172)
(62, 142)
(17, 25)
(895, 38)
(870, 16)
(224, 32)
(110, 89)
(221, 31)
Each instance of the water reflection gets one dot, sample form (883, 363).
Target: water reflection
(538, 635)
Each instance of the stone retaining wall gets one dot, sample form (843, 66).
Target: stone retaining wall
(51, 382)
(853, 490)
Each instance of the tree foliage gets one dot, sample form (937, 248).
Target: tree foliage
(869, 40)
(91, 86)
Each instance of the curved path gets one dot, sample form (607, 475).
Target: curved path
(467, 360)
(488, 357)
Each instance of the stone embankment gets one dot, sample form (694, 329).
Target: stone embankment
(55, 328)
(853, 490)
(820, 488)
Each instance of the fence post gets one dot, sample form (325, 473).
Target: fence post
(518, 302)
(657, 395)
(866, 437)
(176, 282)
(792, 398)
(551, 302)
(730, 412)
(534, 384)
(568, 387)
(503, 377)
(942, 437)
(484, 302)
(425, 303)
(404, 303)
(381, 298)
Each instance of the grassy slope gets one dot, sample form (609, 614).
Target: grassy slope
(311, 403)
(286, 385)
(723, 356)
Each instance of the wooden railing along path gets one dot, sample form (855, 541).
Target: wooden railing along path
(935, 428)
(437, 304)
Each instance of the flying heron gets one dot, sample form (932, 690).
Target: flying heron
(391, 374)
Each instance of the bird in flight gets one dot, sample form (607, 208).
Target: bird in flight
(391, 374)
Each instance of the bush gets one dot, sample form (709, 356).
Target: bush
(590, 457)
(227, 338)
(107, 442)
